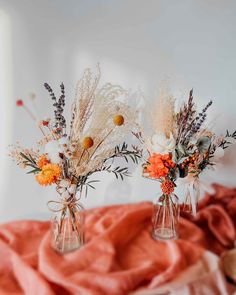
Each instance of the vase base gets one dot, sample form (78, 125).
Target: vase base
(65, 250)
(65, 245)
(164, 234)
(187, 208)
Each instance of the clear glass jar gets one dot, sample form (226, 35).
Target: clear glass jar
(68, 226)
(191, 197)
(165, 217)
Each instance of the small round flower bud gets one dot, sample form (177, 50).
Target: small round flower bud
(45, 123)
(19, 103)
(167, 187)
(118, 120)
(87, 142)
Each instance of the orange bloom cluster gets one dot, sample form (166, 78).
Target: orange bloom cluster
(42, 161)
(49, 174)
(160, 165)
(167, 187)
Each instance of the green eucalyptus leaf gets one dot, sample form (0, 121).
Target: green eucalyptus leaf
(203, 144)
(181, 149)
(174, 157)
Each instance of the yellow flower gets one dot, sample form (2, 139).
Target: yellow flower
(118, 120)
(50, 174)
(42, 161)
(87, 142)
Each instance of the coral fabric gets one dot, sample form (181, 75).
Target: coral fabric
(119, 256)
(205, 277)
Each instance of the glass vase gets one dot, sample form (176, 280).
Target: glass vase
(68, 226)
(191, 197)
(165, 217)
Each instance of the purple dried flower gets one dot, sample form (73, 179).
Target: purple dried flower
(59, 105)
(197, 123)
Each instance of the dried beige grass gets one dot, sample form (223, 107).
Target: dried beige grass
(163, 116)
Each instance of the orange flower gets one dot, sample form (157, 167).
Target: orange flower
(159, 165)
(50, 174)
(42, 161)
(167, 187)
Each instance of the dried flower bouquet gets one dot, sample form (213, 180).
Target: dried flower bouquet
(182, 146)
(67, 157)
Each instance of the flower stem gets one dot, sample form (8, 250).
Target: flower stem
(32, 116)
(105, 137)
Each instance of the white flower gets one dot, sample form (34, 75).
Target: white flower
(52, 149)
(64, 183)
(161, 144)
(66, 188)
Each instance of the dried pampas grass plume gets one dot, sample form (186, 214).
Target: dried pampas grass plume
(103, 113)
(163, 115)
(84, 101)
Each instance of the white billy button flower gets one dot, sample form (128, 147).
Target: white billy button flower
(162, 144)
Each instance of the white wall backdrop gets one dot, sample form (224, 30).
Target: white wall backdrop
(138, 43)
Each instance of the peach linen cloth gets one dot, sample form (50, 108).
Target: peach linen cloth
(119, 256)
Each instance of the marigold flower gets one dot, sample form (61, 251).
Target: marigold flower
(118, 120)
(159, 165)
(19, 103)
(87, 142)
(167, 187)
(42, 161)
(50, 174)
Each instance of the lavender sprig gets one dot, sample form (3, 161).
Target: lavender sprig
(49, 89)
(60, 122)
(197, 123)
(61, 103)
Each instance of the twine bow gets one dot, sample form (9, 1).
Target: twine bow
(64, 204)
